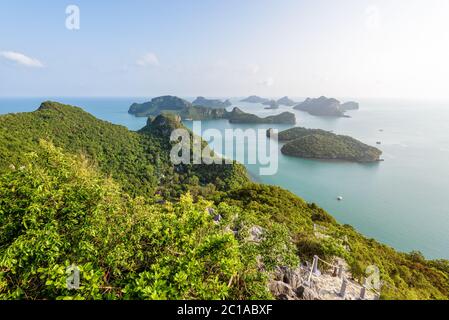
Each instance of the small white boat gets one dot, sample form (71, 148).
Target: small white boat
(340, 198)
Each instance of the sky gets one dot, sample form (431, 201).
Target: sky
(232, 48)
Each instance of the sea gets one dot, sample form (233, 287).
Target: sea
(402, 201)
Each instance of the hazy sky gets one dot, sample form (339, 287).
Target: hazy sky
(344, 48)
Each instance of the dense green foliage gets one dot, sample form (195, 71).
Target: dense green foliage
(320, 144)
(405, 276)
(203, 113)
(138, 161)
(75, 200)
(296, 133)
(239, 116)
(57, 210)
(158, 106)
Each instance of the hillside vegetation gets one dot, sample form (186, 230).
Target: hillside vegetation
(139, 161)
(64, 201)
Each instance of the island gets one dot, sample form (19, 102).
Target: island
(286, 101)
(159, 105)
(272, 105)
(198, 113)
(211, 103)
(351, 105)
(238, 116)
(324, 145)
(188, 111)
(255, 99)
(327, 107)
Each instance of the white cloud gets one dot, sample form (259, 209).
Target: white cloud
(268, 82)
(21, 59)
(149, 59)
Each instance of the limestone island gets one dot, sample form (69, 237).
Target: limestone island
(189, 111)
(324, 145)
(255, 99)
(211, 103)
(286, 101)
(351, 105)
(326, 107)
(238, 116)
(272, 105)
(158, 106)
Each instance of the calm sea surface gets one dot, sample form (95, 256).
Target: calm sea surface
(402, 202)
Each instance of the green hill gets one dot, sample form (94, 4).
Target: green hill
(239, 116)
(158, 106)
(139, 161)
(320, 144)
(65, 199)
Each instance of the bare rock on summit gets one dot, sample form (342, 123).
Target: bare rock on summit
(282, 291)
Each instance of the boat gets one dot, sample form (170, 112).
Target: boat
(378, 142)
(340, 198)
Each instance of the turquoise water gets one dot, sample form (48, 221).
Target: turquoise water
(401, 202)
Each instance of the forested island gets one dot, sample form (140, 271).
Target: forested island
(272, 105)
(211, 103)
(190, 111)
(286, 101)
(255, 99)
(328, 107)
(239, 116)
(324, 145)
(78, 190)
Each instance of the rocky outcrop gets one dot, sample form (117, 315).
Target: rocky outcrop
(293, 284)
(163, 124)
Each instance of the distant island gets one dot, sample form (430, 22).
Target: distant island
(189, 111)
(255, 99)
(320, 144)
(198, 113)
(211, 103)
(238, 116)
(351, 105)
(158, 106)
(328, 107)
(286, 101)
(272, 105)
